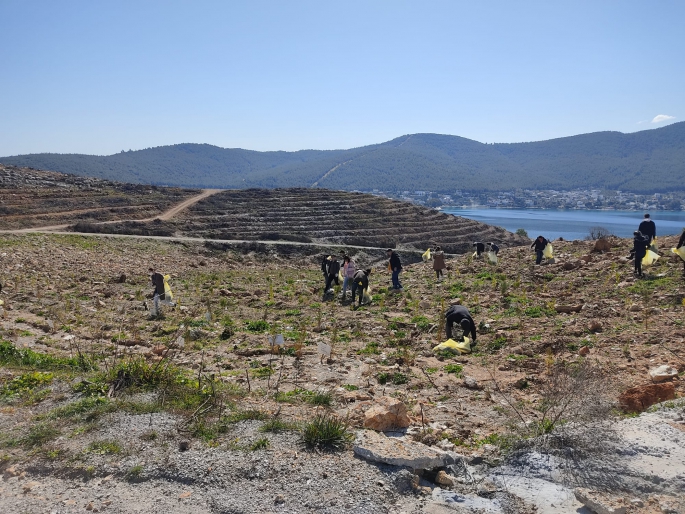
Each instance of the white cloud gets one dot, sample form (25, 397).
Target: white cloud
(662, 117)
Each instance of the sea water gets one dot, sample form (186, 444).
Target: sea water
(573, 224)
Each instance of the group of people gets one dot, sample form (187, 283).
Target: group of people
(356, 279)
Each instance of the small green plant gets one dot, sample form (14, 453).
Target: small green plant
(326, 431)
(39, 434)
(521, 232)
(455, 369)
(350, 387)
(370, 349)
(104, 447)
(258, 326)
(260, 444)
(322, 398)
(422, 322)
(135, 472)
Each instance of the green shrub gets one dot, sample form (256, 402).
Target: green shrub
(422, 322)
(258, 326)
(326, 431)
(323, 398)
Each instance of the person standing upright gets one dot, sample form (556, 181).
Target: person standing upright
(648, 228)
(439, 263)
(640, 245)
(396, 268)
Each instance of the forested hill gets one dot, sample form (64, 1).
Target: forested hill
(647, 161)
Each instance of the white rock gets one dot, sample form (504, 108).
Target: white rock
(663, 373)
(398, 451)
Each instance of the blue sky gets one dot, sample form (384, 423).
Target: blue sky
(99, 77)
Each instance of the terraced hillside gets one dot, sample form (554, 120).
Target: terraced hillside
(321, 215)
(32, 198)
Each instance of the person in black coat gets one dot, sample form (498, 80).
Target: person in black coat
(494, 248)
(539, 244)
(640, 245)
(647, 228)
(333, 270)
(360, 282)
(460, 315)
(480, 248)
(396, 268)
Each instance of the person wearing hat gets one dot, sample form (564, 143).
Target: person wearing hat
(494, 248)
(460, 315)
(640, 245)
(396, 268)
(648, 228)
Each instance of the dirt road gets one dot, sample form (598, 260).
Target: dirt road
(166, 215)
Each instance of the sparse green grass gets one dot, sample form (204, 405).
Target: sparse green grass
(370, 349)
(327, 432)
(350, 387)
(396, 378)
(10, 355)
(104, 447)
(39, 434)
(277, 425)
(260, 444)
(257, 327)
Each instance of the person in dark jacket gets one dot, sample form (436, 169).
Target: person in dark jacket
(640, 245)
(360, 282)
(480, 248)
(439, 263)
(494, 248)
(647, 228)
(159, 293)
(396, 268)
(539, 245)
(333, 270)
(681, 242)
(459, 315)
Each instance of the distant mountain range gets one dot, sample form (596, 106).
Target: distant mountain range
(647, 161)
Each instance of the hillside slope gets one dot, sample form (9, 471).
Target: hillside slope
(647, 161)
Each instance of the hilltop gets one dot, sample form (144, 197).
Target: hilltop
(310, 219)
(647, 161)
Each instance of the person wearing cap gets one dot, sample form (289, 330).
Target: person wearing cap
(460, 315)
(439, 263)
(640, 245)
(539, 246)
(396, 268)
(648, 228)
(494, 248)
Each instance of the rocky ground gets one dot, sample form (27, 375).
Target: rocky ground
(105, 408)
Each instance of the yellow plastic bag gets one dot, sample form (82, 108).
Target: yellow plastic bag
(426, 255)
(366, 297)
(168, 295)
(340, 276)
(650, 258)
(548, 252)
(654, 246)
(680, 252)
(451, 345)
(475, 254)
(492, 257)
